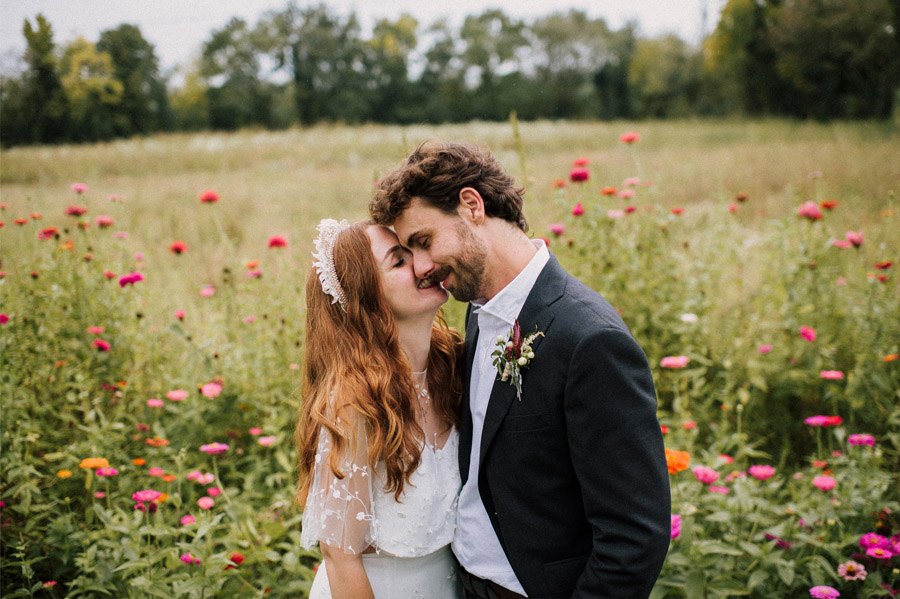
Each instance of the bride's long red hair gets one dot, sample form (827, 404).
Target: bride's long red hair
(353, 361)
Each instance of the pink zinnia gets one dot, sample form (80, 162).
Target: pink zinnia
(187, 520)
(821, 421)
(146, 495)
(581, 161)
(267, 441)
(808, 333)
(208, 291)
(824, 592)
(631, 182)
(879, 553)
(626, 194)
(121, 234)
(95, 330)
(177, 395)
(108, 471)
(719, 490)
(76, 210)
(153, 402)
(873, 539)
(211, 390)
(676, 526)
(277, 241)
(179, 314)
(824, 483)
(104, 221)
(214, 491)
(214, 448)
(854, 237)
(557, 229)
(255, 431)
(156, 471)
(809, 210)
(578, 209)
(764, 348)
(841, 243)
(851, 570)
(130, 279)
(832, 375)
(101, 345)
(579, 175)
(79, 188)
(615, 214)
(674, 361)
(249, 319)
(190, 559)
(209, 196)
(206, 503)
(761, 471)
(861, 439)
(705, 474)
(629, 137)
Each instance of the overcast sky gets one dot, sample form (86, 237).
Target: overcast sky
(177, 28)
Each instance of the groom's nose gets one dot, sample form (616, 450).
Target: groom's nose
(422, 264)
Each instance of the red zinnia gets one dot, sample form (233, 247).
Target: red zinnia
(76, 210)
(884, 265)
(829, 204)
(209, 196)
(178, 247)
(629, 137)
(276, 241)
(609, 191)
(577, 209)
(48, 233)
(579, 175)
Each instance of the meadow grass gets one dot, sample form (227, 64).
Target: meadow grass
(711, 283)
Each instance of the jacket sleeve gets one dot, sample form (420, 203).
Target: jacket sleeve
(617, 453)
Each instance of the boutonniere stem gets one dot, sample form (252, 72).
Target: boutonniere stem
(513, 354)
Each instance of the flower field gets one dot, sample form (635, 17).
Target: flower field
(151, 337)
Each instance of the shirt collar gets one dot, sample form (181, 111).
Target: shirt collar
(507, 304)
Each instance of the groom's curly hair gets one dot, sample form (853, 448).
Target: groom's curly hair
(436, 172)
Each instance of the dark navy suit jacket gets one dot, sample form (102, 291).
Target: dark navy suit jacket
(573, 474)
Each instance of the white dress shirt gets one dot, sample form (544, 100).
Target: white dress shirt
(476, 544)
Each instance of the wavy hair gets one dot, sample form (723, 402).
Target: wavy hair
(354, 368)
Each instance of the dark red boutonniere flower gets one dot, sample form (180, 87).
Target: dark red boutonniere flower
(514, 353)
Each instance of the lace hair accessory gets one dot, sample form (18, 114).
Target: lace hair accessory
(329, 229)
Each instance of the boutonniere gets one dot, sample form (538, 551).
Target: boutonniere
(513, 354)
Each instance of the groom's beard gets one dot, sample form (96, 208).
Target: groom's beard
(468, 267)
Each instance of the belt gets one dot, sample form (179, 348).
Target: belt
(483, 588)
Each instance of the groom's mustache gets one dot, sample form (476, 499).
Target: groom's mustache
(434, 278)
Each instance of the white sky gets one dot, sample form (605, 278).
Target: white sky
(177, 28)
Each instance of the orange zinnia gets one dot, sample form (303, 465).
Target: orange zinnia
(64, 473)
(138, 461)
(676, 461)
(94, 463)
(157, 442)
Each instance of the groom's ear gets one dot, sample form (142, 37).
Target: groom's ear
(471, 205)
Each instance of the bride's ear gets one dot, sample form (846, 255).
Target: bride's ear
(471, 205)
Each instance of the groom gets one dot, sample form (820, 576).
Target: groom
(565, 489)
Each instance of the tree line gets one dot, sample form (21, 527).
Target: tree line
(300, 65)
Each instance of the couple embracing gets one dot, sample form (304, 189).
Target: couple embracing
(526, 461)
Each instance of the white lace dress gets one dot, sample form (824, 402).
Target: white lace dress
(411, 537)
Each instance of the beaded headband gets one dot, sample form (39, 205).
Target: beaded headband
(329, 229)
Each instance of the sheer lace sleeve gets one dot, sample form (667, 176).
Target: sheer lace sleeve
(339, 511)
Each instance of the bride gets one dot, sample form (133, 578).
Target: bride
(377, 444)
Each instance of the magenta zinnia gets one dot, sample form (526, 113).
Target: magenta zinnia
(214, 448)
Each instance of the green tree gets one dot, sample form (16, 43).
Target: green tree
(189, 103)
(567, 52)
(387, 68)
(92, 90)
(144, 106)
(664, 78)
(236, 94)
(43, 99)
(840, 57)
(492, 43)
(322, 55)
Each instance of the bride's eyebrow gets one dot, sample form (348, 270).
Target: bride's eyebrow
(397, 249)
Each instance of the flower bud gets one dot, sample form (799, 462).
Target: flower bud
(523, 361)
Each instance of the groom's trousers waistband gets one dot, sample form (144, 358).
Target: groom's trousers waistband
(483, 588)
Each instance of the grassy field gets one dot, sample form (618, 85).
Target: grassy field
(704, 254)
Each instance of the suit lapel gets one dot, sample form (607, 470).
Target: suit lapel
(536, 315)
(465, 421)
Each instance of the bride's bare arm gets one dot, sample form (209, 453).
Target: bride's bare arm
(346, 574)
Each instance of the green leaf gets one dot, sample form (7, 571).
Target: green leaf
(695, 585)
(785, 571)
